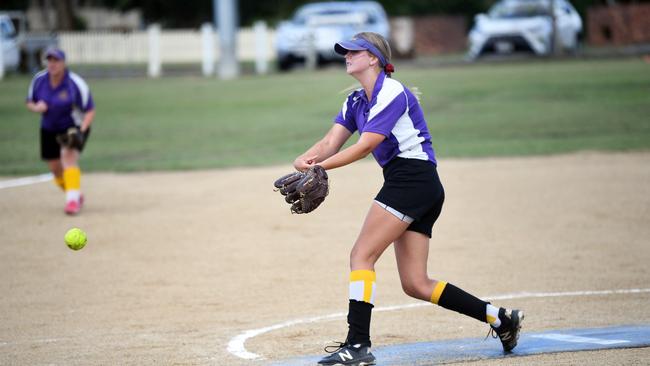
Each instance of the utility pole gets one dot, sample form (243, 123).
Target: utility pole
(2, 62)
(555, 47)
(226, 23)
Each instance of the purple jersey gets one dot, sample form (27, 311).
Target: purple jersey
(66, 103)
(393, 112)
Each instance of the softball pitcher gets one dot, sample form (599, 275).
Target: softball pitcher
(392, 127)
(67, 110)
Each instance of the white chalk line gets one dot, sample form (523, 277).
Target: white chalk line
(25, 181)
(237, 347)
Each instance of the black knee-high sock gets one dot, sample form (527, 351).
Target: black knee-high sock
(359, 323)
(451, 297)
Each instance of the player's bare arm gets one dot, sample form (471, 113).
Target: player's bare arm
(88, 119)
(323, 149)
(366, 144)
(37, 107)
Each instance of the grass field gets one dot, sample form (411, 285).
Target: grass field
(475, 110)
(181, 265)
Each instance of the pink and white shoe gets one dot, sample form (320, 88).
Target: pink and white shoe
(72, 208)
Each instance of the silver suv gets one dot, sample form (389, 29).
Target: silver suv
(524, 25)
(316, 27)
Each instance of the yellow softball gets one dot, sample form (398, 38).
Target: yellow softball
(75, 238)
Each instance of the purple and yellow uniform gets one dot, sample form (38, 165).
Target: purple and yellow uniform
(67, 110)
(66, 103)
(412, 190)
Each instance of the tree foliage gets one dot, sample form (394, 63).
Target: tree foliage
(192, 13)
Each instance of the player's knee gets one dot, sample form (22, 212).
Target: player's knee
(361, 257)
(69, 157)
(414, 287)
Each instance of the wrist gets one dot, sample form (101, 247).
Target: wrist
(325, 165)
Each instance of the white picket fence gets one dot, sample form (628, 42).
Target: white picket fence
(176, 46)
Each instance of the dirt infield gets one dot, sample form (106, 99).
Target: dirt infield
(177, 264)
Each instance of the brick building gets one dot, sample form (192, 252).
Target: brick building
(428, 35)
(620, 24)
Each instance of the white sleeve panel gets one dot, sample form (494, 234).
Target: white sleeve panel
(389, 91)
(30, 91)
(83, 88)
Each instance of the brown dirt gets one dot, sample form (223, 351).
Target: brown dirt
(179, 263)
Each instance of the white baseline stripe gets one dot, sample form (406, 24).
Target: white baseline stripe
(25, 181)
(579, 339)
(236, 345)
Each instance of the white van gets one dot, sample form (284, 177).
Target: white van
(10, 54)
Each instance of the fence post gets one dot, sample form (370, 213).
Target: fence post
(311, 58)
(402, 34)
(207, 45)
(154, 51)
(261, 47)
(2, 59)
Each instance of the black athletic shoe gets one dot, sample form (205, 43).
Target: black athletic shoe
(508, 331)
(348, 355)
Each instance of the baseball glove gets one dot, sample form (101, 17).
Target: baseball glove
(73, 138)
(304, 191)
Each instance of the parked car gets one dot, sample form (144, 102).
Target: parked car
(524, 25)
(10, 51)
(316, 27)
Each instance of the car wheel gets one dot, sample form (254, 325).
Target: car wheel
(572, 47)
(285, 63)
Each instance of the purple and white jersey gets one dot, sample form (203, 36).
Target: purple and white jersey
(66, 104)
(393, 112)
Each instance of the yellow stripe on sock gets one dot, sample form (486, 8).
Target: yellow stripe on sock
(368, 277)
(72, 178)
(437, 291)
(491, 319)
(363, 275)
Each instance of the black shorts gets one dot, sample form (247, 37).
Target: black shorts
(412, 187)
(50, 148)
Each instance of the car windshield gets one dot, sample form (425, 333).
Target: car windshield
(332, 15)
(302, 16)
(519, 9)
(7, 29)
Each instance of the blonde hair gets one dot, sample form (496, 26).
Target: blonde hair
(378, 41)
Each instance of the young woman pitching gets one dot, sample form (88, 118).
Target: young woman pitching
(392, 127)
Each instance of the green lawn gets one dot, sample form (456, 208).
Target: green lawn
(474, 110)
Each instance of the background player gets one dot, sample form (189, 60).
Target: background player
(67, 110)
(392, 126)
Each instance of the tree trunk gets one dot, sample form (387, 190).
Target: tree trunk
(64, 14)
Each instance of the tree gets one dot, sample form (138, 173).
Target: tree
(64, 14)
